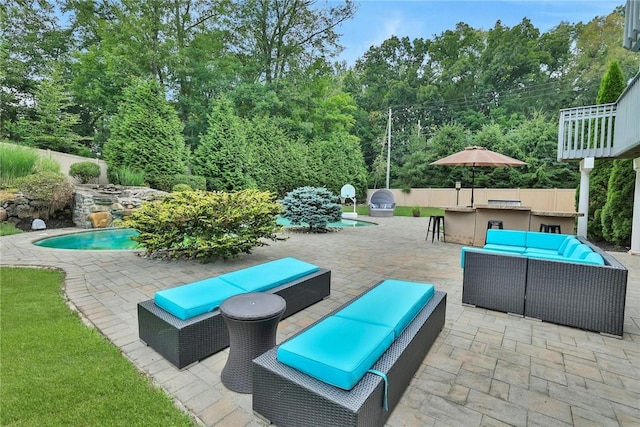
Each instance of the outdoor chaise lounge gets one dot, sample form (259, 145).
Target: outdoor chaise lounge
(557, 278)
(381, 203)
(184, 324)
(351, 367)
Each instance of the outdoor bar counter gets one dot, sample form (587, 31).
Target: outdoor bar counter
(468, 225)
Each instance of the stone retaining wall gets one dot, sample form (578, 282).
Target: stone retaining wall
(93, 206)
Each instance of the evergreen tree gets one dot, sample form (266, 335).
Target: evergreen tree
(611, 86)
(146, 133)
(618, 211)
(53, 125)
(222, 156)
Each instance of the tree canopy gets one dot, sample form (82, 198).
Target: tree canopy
(293, 116)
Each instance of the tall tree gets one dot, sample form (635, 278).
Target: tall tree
(611, 87)
(278, 37)
(31, 44)
(146, 133)
(53, 125)
(222, 156)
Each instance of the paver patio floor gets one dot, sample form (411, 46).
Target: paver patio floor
(486, 368)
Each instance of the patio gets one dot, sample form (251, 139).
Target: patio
(486, 367)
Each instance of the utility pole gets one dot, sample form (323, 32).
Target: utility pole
(388, 148)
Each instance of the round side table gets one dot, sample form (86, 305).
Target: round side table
(252, 320)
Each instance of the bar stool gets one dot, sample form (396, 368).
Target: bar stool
(495, 223)
(550, 228)
(434, 227)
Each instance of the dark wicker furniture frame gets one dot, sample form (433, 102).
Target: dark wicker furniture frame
(287, 397)
(183, 342)
(585, 296)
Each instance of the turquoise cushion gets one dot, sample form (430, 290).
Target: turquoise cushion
(545, 241)
(593, 258)
(581, 251)
(466, 249)
(570, 247)
(505, 248)
(196, 298)
(541, 251)
(393, 303)
(506, 237)
(269, 275)
(336, 350)
(565, 242)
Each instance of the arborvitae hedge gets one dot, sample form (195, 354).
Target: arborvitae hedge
(146, 133)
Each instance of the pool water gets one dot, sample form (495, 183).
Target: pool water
(342, 223)
(107, 239)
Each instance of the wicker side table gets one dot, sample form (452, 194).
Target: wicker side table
(252, 320)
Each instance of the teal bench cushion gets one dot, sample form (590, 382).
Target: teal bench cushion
(337, 351)
(265, 276)
(507, 237)
(195, 298)
(393, 303)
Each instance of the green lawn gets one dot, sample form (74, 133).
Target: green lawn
(7, 229)
(57, 372)
(398, 211)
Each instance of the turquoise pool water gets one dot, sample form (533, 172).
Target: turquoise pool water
(106, 239)
(342, 223)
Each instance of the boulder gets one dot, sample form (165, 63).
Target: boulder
(100, 219)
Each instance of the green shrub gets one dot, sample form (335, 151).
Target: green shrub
(84, 171)
(167, 182)
(312, 206)
(206, 225)
(181, 187)
(53, 190)
(16, 161)
(125, 176)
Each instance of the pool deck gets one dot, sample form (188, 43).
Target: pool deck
(486, 368)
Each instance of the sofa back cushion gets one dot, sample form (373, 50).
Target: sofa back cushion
(265, 276)
(195, 298)
(594, 258)
(581, 251)
(337, 350)
(570, 247)
(506, 237)
(393, 303)
(546, 241)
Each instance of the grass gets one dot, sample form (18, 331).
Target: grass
(16, 161)
(398, 211)
(7, 229)
(56, 371)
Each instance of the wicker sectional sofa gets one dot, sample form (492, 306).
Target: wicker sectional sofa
(184, 329)
(545, 285)
(322, 376)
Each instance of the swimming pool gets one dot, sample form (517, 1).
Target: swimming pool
(105, 239)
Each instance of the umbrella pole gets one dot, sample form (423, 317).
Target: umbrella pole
(473, 179)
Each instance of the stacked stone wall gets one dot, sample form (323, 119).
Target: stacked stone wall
(93, 206)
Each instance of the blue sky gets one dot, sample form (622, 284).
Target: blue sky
(377, 20)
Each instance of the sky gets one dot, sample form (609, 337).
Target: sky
(377, 20)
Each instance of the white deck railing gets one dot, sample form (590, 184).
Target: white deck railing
(632, 26)
(605, 130)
